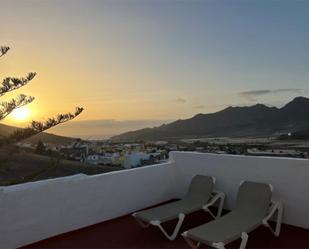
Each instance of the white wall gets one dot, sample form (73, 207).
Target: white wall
(290, 178)
(34, 211)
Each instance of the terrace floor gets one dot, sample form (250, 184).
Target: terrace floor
(124, 232)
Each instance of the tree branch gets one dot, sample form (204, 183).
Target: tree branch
(7, 107)
(38, 127)
(4, 50)
(10, 83)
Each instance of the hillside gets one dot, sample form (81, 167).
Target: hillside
(19, 167)
(250, 121)
(6, 130)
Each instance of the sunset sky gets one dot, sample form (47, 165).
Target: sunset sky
(132, 63)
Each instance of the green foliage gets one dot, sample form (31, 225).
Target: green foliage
(38, 127)
(61, 118)
(40, 148)
(3, 50)
(7, 107)
(11, 83)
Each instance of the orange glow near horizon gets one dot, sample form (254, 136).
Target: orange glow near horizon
(21, 114)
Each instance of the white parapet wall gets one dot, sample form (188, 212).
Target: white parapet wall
(34, 211)
(289, 177)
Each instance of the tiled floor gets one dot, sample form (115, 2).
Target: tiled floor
(124, 232)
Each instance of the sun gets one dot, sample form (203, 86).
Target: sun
(20, 114)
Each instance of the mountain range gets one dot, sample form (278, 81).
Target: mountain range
(250, 121)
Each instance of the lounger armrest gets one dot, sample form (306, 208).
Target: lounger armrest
(276, 206)
(216, 196)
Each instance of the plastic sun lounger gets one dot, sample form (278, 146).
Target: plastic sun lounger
(199, 196)
(254, 207)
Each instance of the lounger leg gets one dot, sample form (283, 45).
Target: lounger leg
(277, 207)
(221, 203)
(244, 240)
(140, 222)
(181, 218)
(190, 242)
(279, 220)
(219, 196)
(211, 213)
(218, 245)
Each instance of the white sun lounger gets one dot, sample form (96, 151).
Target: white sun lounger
(199, 196)
(254, 208)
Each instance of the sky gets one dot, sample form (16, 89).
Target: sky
(137, 63)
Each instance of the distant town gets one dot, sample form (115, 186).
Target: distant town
(132, 155)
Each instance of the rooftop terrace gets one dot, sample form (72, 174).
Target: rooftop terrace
(95, 210)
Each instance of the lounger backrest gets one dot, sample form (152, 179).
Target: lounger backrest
(254, 198)
(200, 188)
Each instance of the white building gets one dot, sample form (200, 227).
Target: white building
(97, 159)
(134, 159)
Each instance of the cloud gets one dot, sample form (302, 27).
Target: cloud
(180, 100)
(252, 95)
(199, 107)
